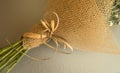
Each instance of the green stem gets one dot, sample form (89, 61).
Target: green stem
(9, 53)
(15, 62)
(3, 50)
(6, 62)
(9, 63)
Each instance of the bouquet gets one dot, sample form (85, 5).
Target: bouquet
(73, 24)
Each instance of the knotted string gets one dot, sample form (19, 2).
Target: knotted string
(47, 35)
(50, 29)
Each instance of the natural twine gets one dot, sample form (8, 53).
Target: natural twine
(35, 39)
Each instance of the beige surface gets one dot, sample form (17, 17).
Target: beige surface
(17, 16)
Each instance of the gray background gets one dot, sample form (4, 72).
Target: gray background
(18, 16)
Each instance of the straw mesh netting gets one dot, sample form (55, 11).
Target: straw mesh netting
(105, 6)
(84, 25)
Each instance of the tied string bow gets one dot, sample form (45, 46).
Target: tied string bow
(32, 40)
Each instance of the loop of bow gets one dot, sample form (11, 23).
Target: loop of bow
(50, 29)
(49, 34)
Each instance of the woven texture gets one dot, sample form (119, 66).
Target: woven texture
(105, 6)
(84, 25)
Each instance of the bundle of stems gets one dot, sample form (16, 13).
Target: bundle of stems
(10, 56)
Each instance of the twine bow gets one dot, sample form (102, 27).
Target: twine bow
(47, 35)
(50, 29)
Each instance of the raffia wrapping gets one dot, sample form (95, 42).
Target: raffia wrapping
(83, 23)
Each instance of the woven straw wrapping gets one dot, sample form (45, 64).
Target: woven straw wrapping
(84, 25)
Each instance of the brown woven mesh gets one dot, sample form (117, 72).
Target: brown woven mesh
(83, 24)
(105, 6)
